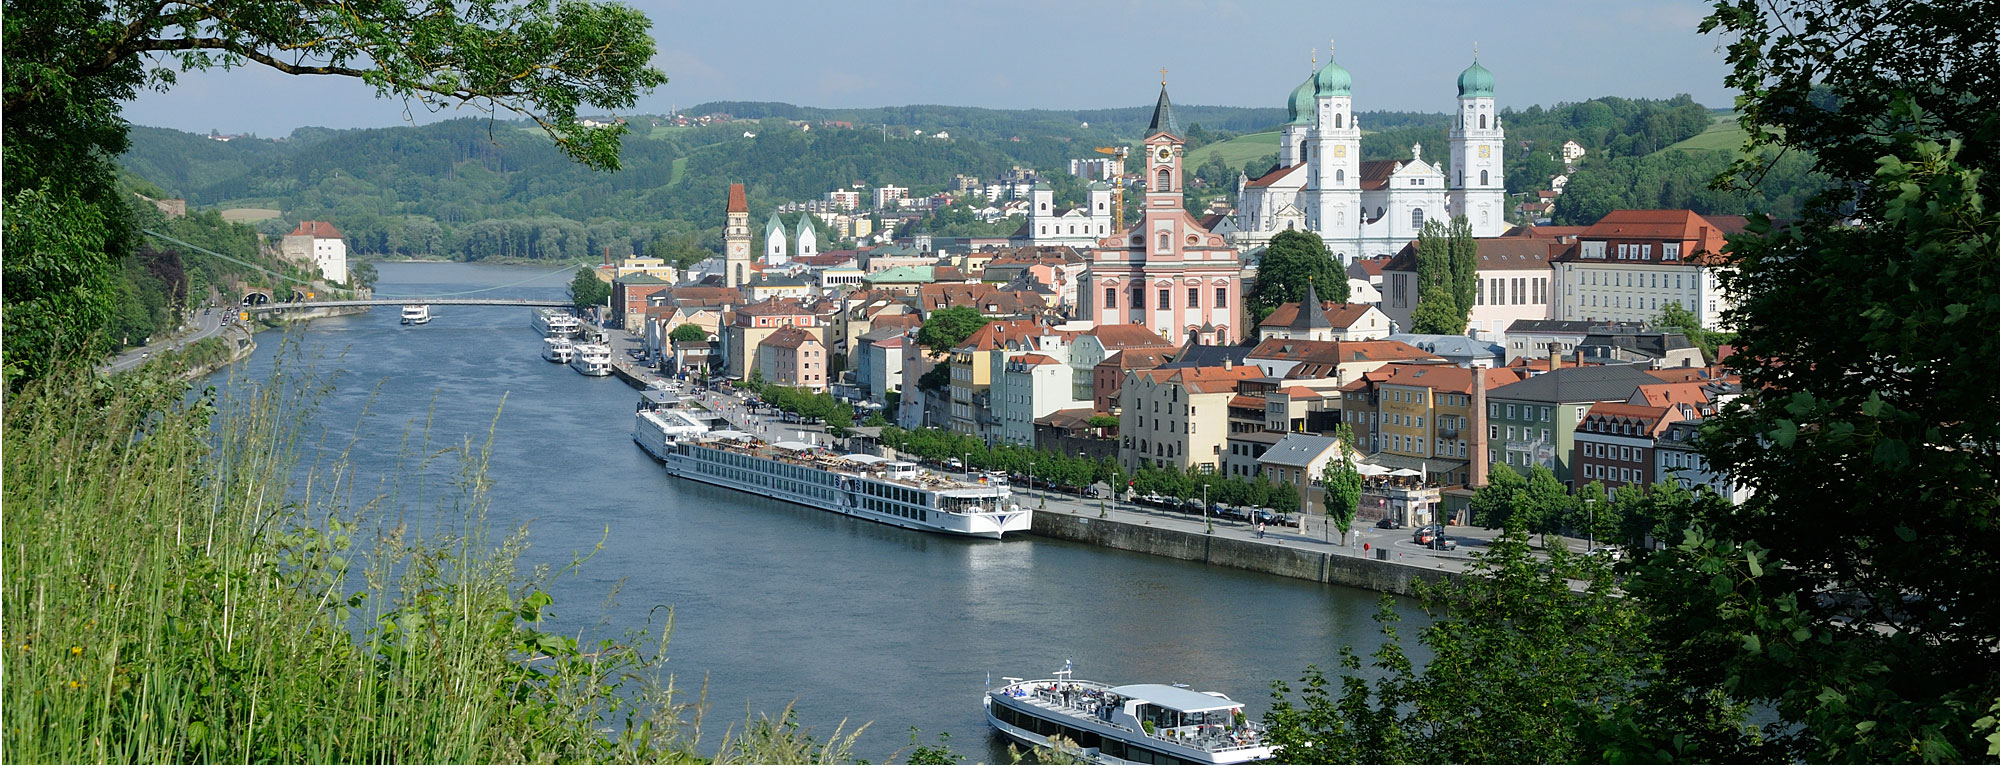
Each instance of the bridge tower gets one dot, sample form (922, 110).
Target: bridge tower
(736, 240)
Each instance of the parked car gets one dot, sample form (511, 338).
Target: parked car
(1275, 519)
(1389, 522)
(1424, 534)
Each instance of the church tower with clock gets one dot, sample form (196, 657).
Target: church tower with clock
(1166, 273)
(1478, 179)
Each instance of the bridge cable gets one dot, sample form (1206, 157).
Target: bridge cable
(197, 248)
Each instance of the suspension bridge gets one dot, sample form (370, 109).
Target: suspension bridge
(301, 305)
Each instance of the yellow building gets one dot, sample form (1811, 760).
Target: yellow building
(1419, 416)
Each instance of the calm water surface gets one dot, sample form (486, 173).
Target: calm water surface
(777, 604)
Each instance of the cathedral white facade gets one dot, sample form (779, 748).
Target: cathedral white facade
(1364, 209)
(1049, 225)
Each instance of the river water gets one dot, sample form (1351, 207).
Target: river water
(776, 604)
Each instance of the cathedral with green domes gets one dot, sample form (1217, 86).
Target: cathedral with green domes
(1368, 208)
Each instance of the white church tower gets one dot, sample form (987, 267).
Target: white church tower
(1477, 177)
(807, 238)
(774, 242)
(1333, 193)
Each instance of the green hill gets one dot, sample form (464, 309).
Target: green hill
(1237, 152)
(1723, 134)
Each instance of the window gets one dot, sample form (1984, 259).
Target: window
(1417, 218)
(1194, 297)
(1221, 298)
(1482, 118)
(1480, 296)
(1139, 298)
(1482, 173)
(1165, 301)
(1336, 115)
(1165, 182)
(1166, 242)
(1110, 297)
(1340, 176)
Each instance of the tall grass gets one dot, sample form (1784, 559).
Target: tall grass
(178, 588)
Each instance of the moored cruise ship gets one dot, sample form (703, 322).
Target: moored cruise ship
(591, 359)
(552, 322)
(416, 314)
(558, 349)
(861, 485)
(1115, 725)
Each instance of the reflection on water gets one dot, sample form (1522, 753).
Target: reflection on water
(775, 603)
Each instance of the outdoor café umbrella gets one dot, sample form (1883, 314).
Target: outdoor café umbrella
(1404, 472)
(1372, 470)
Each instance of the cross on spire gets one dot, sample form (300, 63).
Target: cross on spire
(1475, 50)
(1163, 76)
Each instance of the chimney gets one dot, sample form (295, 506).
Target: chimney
(1479, 465)
(1227, 364)
(1555, 356)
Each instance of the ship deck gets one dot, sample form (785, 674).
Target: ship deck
(808, 455)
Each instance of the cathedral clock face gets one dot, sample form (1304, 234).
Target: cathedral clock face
(1165, 153)
(1340, 151)
(1485, 151)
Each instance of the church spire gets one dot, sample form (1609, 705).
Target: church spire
(1311, 314)
(1163, 113)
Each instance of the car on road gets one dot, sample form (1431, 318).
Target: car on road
(1424, 535)
(1275, 519)
(1389, 522)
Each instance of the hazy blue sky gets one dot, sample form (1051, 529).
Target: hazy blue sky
(1065, 55)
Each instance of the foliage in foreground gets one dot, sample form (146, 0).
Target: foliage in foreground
(173, 595)
(1531, 661)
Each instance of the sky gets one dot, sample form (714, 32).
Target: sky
(1077, 54)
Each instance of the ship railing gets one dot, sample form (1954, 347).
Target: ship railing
(1097, 705)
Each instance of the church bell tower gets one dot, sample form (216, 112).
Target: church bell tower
(1478, 180)
(736, 239)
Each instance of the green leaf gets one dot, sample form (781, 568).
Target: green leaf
(1906, 533)
(1864, 726)
(1786, 433)
(1954, 312)
(1756, 570)
(1752, 644)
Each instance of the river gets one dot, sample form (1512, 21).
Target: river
(776, 604)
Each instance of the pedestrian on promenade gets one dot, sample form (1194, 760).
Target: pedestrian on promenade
(1260, 529)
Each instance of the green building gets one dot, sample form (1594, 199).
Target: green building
(1533, 422)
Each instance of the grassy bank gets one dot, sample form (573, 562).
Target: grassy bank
(179, 588)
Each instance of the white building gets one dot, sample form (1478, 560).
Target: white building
(774, 242)
(1629, 265)
(1028, 386)
(318, 243)
(807, 237)
(1514, 280)
(1074, 226)
(887, 196)
(1363, 209)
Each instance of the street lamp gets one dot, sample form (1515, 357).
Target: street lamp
(1204, 509)
(1589, 523)
(1100, 498)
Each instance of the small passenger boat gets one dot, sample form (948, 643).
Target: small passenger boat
(1148, 724)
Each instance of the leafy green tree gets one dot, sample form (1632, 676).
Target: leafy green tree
(1493, 504)
(1464, 264)
(688, 333)
(945, 328)
(1291, 261)
(69, 64)
(1545, 506)
(588, 292)
(1673, 316)
(1342, 482)
(1851, 595)
(1521, 669)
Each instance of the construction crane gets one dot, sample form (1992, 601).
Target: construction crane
(1117, 185)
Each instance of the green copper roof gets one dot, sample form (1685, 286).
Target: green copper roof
(1331, 80)
(1163, 117)
(1300, 108)
(775, 224)
(1475, 82)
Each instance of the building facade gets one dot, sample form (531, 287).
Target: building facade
(1513, 283)
(1631, 264)
(1167, 273)
(1362, 209)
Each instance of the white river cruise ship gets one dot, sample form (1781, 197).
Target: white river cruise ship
(861, 485)
(551, 322)
(1115, 725)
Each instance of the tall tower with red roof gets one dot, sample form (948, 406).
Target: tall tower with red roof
(736, 239)
(1166, 273)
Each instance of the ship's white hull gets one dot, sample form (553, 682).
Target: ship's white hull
(830, 492)
(1101, 741)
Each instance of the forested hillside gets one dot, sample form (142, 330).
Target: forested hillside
(471, 189)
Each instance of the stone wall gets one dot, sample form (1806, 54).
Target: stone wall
(1281, 560)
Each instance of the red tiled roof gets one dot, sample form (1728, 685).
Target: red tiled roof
(1372, 266)
(1375, 173)
(1019, 332)
(1115, 337)
(1205, 379)
(317, 229)
(1495, 254)
(1342, 315)
(791, 337)
(1273, 175)
(1297, 393)
(737, 201)
(1545, 232)
(1241, 401)
(1438, 377)
(1140, 358)
(1652, 420)
(775, 307)
(1032, 359)
(1667, 394)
